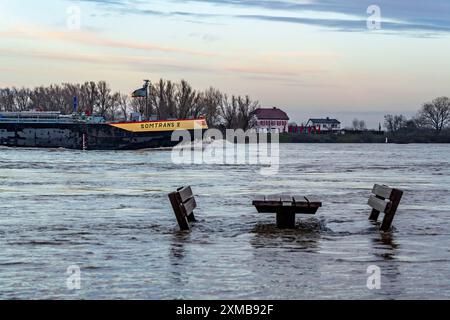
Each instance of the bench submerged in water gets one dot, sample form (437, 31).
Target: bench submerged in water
(183, 204)
(286, 207)
(386, 200)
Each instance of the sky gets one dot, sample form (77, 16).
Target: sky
(312, 58)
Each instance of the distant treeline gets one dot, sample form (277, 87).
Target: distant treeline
(166, 100)
(430, 125)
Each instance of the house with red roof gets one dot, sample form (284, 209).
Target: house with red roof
(271, 120)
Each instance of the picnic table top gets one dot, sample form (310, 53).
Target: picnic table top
(287, 200)
(291, 204)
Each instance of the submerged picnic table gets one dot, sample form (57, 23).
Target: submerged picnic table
(286, 207)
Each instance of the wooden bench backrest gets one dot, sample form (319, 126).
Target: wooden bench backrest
(183, 204)
(384, 200)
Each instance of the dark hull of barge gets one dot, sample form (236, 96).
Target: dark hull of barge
(82, 136)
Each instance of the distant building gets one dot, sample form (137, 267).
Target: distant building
(271, 120)
(325, 125)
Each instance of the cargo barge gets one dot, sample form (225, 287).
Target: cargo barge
(53, 130)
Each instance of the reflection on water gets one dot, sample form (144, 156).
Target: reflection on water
(385, 248)
(305, 237)
(108, 212)
(387, 242)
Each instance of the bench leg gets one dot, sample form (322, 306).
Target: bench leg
(396, 197)
(191, 218)
(181, 218)
(387, 222)
(374, 215)
(285, 220)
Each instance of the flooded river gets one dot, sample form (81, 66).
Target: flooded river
(108, 213)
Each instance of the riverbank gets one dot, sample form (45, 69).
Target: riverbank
(333, 138)
(404, 137)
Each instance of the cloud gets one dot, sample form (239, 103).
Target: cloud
(90, 38)
(271, 71)
(72, 57)
(138, 62)
(348, 25)
(206, 37)
(151, 64)
(399, 17)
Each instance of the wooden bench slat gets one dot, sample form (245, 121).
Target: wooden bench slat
(287, 200)
(377, 204)
(183, 204)
(299, 200)
(384, 200)
(189, 206)
(273, 198)
(382, 191)
(313, 201)
(185, 193)
(260, 199)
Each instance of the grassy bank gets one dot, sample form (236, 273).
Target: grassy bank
(401, 137)
(332, 138)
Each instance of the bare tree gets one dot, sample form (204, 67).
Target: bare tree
(400, 122)
(71, 91)
(247, 109)
(115, 106)
(229, 112)
(89, 96)
(359, 125)
(123, 103)
(210, 103)
(355, 124)
(419, 122)
(38, 98)
(436, 114)
(56, 100)
(362, 125)
(394, 123)
(6, 100)
(162, 98)
(186, 100)
(104, 98)
(138, 105)
(22, 98)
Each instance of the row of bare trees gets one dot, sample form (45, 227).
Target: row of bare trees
(92, 97)
(180, 100)
(433, 115)
(166, 100)
(359, 125)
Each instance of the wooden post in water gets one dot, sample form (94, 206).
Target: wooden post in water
(84, 146)
(285, 214)
(285, 219)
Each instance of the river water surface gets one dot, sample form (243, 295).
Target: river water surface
(109, 214)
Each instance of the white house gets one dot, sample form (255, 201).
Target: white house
(271, 120)
(325, 125)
